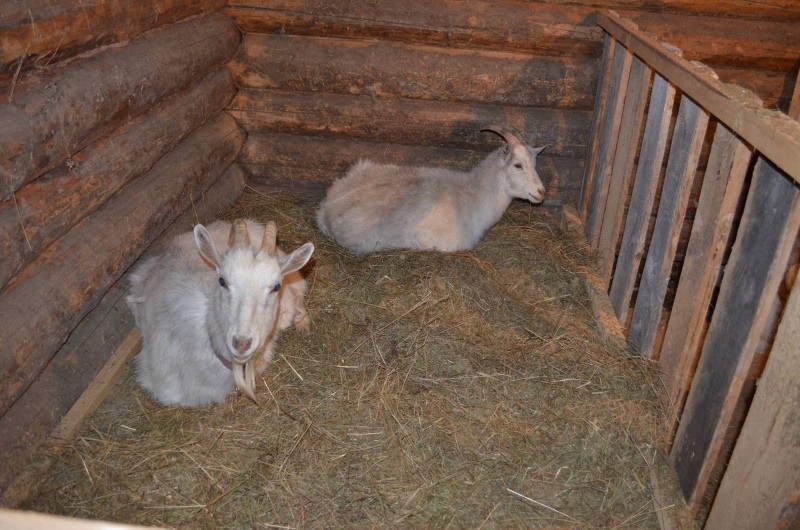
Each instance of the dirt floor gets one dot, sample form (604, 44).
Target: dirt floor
(464, 390)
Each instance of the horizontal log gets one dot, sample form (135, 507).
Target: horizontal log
(409, 121)
(36, 33)
(773, 87)
(34, 415)
(504, 24)
(302, 163)
(48, 207)
(55, 114)
(52, 294)
(392, 69)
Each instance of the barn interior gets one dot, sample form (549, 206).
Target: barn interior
(485, 375)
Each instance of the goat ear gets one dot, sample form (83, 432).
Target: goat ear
(297, 259)
(206, 246)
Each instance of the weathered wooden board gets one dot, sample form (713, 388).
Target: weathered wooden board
(36, 33)
(716, 209)
(687, 141)
(56, 114)
(540, 26)
(48, 207)
(408, 121)
(758, 259)
(391, 69)
(68, 279)
(311, 163)
(760, 488)
(624, 162)
(37, 412)
(648, 172)
(608, 136)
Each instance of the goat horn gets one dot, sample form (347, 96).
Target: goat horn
(509, 135)
(239, 236)
(270, 236)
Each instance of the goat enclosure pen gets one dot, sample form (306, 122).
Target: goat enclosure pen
(673, 151)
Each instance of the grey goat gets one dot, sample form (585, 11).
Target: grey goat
(210, 307)
(378, 206)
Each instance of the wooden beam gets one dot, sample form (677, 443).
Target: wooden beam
(645, 184)
(55, 114)
(39, 33)
(716, 209)
(624, 163)
(766, 234)
(408, 121)
(68, 279)
(761, 485)
(687, 141)
(385, 69)
(45, 209)
(771, 132)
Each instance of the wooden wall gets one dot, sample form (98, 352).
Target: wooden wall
(111, 125)
(325, 82)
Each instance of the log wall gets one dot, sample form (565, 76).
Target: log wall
(112, 124)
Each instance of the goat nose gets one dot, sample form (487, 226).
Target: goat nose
(242, 344)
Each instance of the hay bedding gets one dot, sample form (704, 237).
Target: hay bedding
(463, 390)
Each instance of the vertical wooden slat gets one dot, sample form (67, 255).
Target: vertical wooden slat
(716, 208)
(609, 45)
(622, 171)
(687, 141)
(644, 190)
(608, 135)
(762, 481)
(758, 259)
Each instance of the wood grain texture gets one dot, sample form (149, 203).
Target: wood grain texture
(762, 481)
(68, 279)
(408, 121)
(391, 69)
(311, 163)
(716, 210)
(645, 185)
(687, 141)
(48, 207)
(758, 259)
(54, 115)
(40, 32)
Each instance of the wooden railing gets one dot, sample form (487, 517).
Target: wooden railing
(690, 200)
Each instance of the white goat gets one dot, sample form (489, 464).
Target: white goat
(378, 206)
(210, 320)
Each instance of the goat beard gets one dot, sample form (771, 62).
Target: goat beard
(244, 375)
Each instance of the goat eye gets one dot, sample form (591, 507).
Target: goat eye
(518, 165)
(276, 288)
(222, 282)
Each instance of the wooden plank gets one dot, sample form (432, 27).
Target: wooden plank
(770, 132)
(35, 415)
(622, 171)
(687, 141)
(504, 24)
(45, 209)
(39, 33)
(722, 186)
(408, 121)
(645, 183)
(385, 69)
(609, 135)
(760, 487)
(301, 163)
(55, 114)
(758, 259)
(68, 279)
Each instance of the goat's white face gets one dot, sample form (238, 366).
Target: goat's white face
(522, 180)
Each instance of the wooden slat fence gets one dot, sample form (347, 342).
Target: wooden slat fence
(691, 201)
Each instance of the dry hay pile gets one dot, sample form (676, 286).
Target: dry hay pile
(457, 390)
